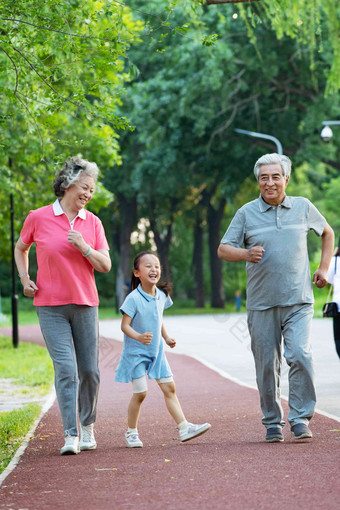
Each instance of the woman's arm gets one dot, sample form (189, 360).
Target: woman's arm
(143, 338)
(21, 259)
(99, 259)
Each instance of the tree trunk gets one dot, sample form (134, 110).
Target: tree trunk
(214, 223)
(197, 262)
(162, 242)
(127, 220)
(163, 246)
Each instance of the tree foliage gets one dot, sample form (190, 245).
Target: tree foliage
(184, 161)
(76, 77)
(314, 24)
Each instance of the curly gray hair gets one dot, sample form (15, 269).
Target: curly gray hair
(267, 159)
(70, 173)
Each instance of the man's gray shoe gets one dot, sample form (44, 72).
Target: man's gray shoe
(301, 431)
(274, 435)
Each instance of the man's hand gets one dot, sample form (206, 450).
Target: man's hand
(255, 254)
(320, 278)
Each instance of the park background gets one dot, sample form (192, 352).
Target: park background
(152, 92)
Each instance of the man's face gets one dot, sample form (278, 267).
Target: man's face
(272, 183)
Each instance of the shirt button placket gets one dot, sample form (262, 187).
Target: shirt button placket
(278, 217)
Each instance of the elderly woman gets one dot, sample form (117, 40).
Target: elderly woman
(70, 244)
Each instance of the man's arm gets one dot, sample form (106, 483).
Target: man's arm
(327, 247)
(232, 254)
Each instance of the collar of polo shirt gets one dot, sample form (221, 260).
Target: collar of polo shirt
(264, 206)
(57, 209)
(147, 296)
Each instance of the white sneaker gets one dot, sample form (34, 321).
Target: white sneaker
(132, 440)
(87, 440)
(193, 430)
(71, 446)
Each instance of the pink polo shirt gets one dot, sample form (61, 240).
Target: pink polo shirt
(64, 275)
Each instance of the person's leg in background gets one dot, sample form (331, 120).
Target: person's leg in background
(336, 332)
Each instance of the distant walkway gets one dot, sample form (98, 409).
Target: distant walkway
(230, 467)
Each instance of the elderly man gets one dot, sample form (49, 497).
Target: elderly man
(273, 230)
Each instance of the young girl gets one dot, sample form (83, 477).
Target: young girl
(143, 329)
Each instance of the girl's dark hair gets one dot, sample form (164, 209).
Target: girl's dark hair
(166, 287)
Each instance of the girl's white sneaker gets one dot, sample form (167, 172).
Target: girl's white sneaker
(132, 440)
(193, 430)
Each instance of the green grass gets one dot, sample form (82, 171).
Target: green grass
(14, 426)
(180, 307)
(31, 367)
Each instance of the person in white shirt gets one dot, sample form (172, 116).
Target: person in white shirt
(334, 279)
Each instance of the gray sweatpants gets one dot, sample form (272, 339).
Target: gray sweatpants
(72, 339)
(267, 328)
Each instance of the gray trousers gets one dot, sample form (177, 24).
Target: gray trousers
(267, 328)
(72, 338)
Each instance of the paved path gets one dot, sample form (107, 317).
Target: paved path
(230, 467)
(222, 341)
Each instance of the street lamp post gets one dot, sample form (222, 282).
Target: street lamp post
(261, 135)
(15, 336)
(326, 133)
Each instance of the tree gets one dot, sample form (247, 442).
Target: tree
(61, 77)
(188, 152)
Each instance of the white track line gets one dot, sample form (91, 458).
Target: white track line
(239, 382)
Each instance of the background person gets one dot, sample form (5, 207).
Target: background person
(70, 244)
(273, 230)
(334, 279)
(143, 352)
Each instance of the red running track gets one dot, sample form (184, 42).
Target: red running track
(229, 467)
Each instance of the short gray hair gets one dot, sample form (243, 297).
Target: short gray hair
(71, 172)
(267, 159)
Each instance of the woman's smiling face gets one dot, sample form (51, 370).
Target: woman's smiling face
(81, 192)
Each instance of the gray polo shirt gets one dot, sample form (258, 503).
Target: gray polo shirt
(282, 277)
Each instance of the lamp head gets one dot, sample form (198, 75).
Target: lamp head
(326, 133)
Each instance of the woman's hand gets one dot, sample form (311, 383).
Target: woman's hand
(99, 259)
(76, 239)
(29, 287)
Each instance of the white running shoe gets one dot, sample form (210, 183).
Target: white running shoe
(132, 440)
(193, 430)
(87, 440)
(71, 446)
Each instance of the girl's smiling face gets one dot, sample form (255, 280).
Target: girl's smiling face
(149, 271)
